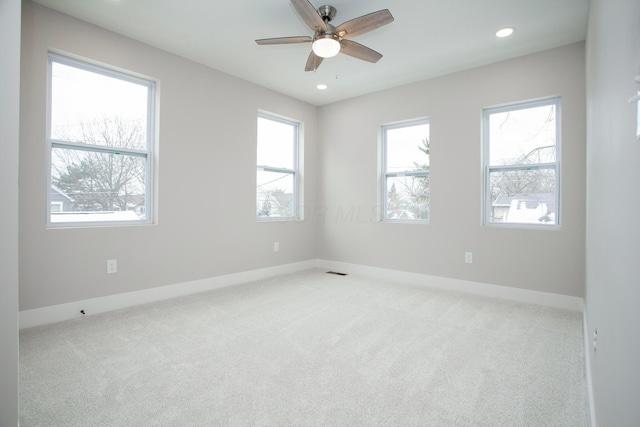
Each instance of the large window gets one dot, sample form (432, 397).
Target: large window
(522, 164)
(277, 169)
(405, 171)
(100, 142)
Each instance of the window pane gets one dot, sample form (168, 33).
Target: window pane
(276, 143)
(407, 148)
(275, 194)
(93, 186)
(96, 109)
(523, 136)
(523, 196)
(408, 198)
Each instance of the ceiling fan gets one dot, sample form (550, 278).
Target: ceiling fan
(327, 40)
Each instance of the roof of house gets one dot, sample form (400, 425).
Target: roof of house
(507, 199)
(543, 203)
(60, 192)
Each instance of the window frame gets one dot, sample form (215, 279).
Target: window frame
(555, 166)
(384, 175)
(295, 171)
(148, 154)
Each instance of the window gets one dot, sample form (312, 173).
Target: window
(277, 169)
(100, 144)
(56, 207)
(522, 164)
(405, 171)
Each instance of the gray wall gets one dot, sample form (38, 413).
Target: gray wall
(9, 119)
(542, 260)
(206, 166)
(613, 237)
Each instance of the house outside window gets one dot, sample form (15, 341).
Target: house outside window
(100, 145)
(406, 172)
(522, 164)
(60, 202)
(277, 169)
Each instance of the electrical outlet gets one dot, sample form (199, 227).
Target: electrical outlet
(468, 257)
(276, 246)
(112, 266)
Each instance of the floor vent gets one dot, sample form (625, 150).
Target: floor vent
(336, 273)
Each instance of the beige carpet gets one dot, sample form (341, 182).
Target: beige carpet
(309, 349)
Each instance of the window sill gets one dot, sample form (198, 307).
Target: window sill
(278, 219)
(406, 221)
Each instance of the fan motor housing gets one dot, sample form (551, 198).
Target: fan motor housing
(327, 12)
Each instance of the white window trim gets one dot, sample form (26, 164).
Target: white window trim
(487, 168)
(148, 155)
(296, 211)
(384, 175)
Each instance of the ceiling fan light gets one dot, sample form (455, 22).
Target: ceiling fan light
(326, 46)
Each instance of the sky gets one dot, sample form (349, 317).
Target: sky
(516, 133)
(403, 147)
(275, 143)
(75, 92)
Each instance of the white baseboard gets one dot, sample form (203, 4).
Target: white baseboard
(564, 302)
(587, 365)
(60, 312)
(71, 310)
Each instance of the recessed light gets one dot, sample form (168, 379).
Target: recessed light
(505, 32)
(322, 86)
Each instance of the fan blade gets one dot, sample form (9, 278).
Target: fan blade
(351, 48)
(285, 40)
(309, 15)
(364, 24)
(313, 62)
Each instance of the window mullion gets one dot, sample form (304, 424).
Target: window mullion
(277, 170)
(97, 148)
(506, 168)
(406, 173)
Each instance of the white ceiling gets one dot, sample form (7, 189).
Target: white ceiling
(428, 37)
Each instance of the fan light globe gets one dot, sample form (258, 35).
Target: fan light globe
(326, 46)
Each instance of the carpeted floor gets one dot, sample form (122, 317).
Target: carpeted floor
(309, 349)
